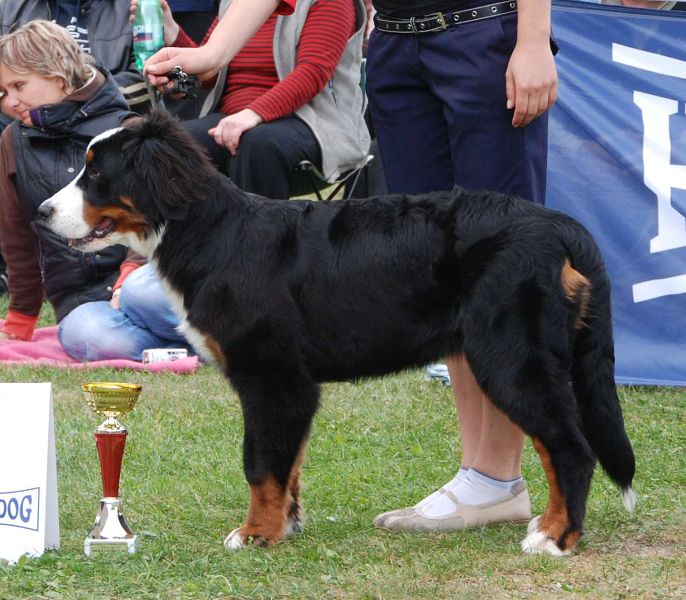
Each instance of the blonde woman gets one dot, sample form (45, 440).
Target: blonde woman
(59, 100)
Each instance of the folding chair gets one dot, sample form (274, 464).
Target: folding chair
(308, 179)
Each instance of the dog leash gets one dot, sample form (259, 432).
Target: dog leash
(183, 84)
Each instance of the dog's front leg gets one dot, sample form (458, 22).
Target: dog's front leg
(266, 522)
(273, 448)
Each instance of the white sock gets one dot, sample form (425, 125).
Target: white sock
(438, 504)
(470, 487)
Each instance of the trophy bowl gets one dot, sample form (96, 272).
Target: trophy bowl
(111, 400)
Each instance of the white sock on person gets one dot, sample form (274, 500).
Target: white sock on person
(469, 486)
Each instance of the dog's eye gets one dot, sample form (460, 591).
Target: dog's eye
(93, 174)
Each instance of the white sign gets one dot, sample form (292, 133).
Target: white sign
(29, 522)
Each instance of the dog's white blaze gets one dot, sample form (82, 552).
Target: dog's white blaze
(103, 136)
(67, 218)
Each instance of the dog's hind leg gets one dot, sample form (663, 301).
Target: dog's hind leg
(568, 468)
(277, 419)
(523, 364)
(547, 414)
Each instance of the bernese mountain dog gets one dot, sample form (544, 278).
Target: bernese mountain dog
(285, 295)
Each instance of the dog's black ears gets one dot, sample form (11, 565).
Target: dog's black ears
(168, 166)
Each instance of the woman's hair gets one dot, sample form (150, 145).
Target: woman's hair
(47, 49)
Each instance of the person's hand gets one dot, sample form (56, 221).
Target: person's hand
(199, 61)
(228, 131)
(530, 81)
(115, 301)
(171, 27)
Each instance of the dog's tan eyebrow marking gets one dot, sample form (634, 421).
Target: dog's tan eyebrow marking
(90, 155)
(577, 289)
(126, 201)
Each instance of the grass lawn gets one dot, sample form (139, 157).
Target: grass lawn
(375, 445)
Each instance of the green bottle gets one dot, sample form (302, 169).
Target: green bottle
(148, 30)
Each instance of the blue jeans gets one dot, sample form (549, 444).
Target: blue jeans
(96, 331)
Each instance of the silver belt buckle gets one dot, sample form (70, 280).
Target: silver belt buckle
(441, 20)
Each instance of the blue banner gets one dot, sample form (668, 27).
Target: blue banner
(617, 163)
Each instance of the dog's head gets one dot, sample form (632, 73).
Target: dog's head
(136, 179)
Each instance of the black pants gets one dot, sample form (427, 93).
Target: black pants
(267, 153)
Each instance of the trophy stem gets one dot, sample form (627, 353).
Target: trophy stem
(111, 452)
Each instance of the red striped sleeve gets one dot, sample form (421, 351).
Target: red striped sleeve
(252, 72)
(253, 82)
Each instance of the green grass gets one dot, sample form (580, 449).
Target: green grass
(375, 445)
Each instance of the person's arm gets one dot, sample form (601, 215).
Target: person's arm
(240, 22)
(18, 249)
(132, 261)
(531, 78)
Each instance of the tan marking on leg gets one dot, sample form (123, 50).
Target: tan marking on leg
(555, 520)
(294, 506)
(266, 520)
(578, 291)
(213, 346)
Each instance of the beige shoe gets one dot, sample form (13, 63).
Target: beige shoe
(514, 508)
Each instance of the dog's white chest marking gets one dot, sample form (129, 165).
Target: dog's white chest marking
(197, 339)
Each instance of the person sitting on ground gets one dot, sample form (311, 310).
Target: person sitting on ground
(100, 27)
(291, 94)
(60, 101)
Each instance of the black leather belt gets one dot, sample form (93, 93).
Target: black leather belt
(441, 21)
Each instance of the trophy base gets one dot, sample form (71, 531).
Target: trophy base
(110, 528)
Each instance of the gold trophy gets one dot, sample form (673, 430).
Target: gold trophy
(110, 400)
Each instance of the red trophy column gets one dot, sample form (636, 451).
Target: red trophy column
(111, 452)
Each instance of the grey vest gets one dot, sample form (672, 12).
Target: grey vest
(336, 114)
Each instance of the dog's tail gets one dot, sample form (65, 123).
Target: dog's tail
(593, 380)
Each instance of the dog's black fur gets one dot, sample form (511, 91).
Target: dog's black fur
(291, 294)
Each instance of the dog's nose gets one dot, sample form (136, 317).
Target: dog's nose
(45, 210)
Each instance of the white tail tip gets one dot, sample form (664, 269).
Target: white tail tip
(629, 499)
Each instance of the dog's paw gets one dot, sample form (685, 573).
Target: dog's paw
(294, 526)
(235, 540)
(244, 537)
(533, 524)
(537, 542)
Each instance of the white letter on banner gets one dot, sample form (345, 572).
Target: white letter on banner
(660, 176)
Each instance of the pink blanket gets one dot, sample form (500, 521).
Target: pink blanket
(46, 350)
